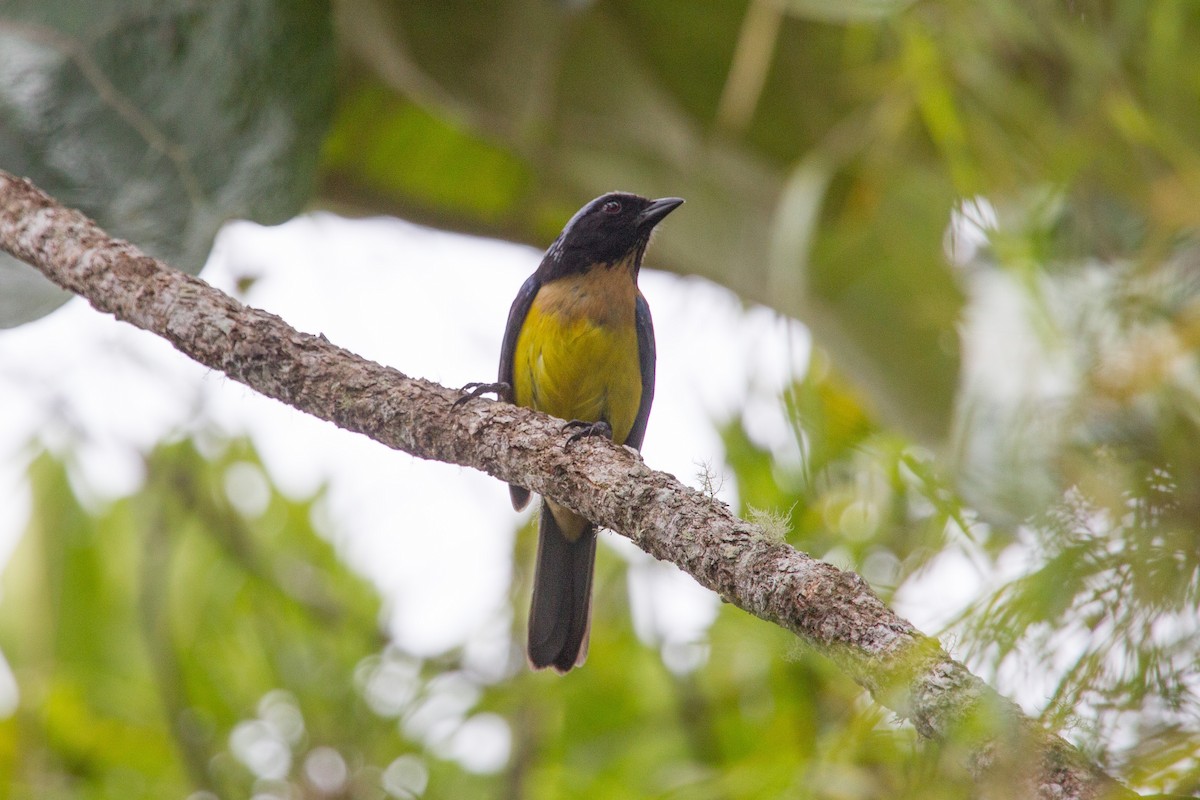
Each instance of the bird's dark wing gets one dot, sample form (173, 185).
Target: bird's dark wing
(516, 319)
(646, 358)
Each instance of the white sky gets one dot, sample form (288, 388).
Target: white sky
(393, 292)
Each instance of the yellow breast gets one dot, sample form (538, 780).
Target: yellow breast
(577, 354)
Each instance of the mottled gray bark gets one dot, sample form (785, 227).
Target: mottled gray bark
(834, 612)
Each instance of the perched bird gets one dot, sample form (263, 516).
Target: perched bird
(579, 345)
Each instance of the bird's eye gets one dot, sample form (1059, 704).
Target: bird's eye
(612, 207)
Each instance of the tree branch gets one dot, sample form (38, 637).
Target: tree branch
(833, 611)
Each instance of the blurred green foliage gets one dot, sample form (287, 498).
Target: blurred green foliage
(143, 632)
(199, 639)
(1097, 598)
(200, 636)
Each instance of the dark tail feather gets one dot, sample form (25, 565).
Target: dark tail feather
(560, 616)
(519, 496)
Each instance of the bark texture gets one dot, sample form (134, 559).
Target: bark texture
(833, 611)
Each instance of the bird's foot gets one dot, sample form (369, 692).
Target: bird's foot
(600, 428)
(502, 390)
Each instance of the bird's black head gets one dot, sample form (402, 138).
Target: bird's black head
(614, 228)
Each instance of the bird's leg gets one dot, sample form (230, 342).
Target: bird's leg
(502, 390)
(598, 428)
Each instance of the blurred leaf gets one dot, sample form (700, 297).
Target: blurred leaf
(161, 120)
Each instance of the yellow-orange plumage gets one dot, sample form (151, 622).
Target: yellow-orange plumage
(577, 354)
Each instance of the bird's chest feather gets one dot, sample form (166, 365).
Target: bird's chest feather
(577, 353)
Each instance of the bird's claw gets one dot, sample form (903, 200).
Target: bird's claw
(586, 429)
(502, 390)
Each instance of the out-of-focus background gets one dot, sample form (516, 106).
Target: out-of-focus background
(931, 312)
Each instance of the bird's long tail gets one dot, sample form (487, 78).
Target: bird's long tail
(561, 614)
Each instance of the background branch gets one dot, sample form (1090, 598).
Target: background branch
(831, 610)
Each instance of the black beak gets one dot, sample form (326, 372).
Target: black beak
(653, 214)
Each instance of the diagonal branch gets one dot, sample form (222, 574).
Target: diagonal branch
(833, 611)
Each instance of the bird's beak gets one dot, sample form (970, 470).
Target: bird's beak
(653, 214)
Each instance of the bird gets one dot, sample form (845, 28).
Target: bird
(579, 345)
